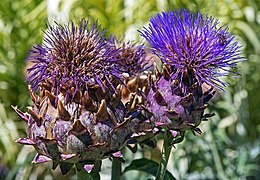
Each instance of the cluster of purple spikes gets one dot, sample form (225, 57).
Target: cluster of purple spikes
(78, 56)
(190, 42)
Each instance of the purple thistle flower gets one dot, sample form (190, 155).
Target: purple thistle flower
(131, 58)
(77, 116)
(73, 57)
(190, 43)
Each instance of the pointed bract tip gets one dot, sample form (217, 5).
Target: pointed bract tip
(40, 159)
(22, 115)
(118, 154)
(26, 141)
(67, 156)
(174, 133)
(88, 167)
(63, 113)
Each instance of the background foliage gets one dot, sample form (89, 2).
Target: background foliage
(229, 148)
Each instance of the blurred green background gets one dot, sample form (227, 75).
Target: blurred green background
(229, 148)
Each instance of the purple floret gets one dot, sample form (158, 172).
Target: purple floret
(191, 43)
(131, 58)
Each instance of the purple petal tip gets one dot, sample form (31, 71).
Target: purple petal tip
(155, 130)
(67, 156)
(40, 159)
(88, 167)
(26, 141)
(118, 154)
(159, 124)
(174, 133)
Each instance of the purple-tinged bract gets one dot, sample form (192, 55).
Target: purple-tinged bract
(192, 43)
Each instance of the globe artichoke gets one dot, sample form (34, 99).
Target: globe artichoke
(194, 54)
(75, 84)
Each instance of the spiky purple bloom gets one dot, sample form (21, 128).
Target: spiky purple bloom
(192, 43)
(72, 56)
(75, 84)
(194, 52)
(131, 58)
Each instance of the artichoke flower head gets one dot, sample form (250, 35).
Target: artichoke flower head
(77, 113)
(194, 54)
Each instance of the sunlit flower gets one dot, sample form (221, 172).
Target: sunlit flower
(73, 57)
(77, 115)
(190, 43)
(194, 52)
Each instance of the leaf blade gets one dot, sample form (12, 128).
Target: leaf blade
(148, 166)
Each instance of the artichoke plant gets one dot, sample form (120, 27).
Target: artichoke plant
(75, 84)
(92, 96)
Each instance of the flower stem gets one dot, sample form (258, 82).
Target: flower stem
(166, 151)
(116, 169)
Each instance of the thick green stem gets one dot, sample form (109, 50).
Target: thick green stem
(116, 169)
(166, 151)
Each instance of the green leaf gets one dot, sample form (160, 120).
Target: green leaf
(147, 166)
(95, 176)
